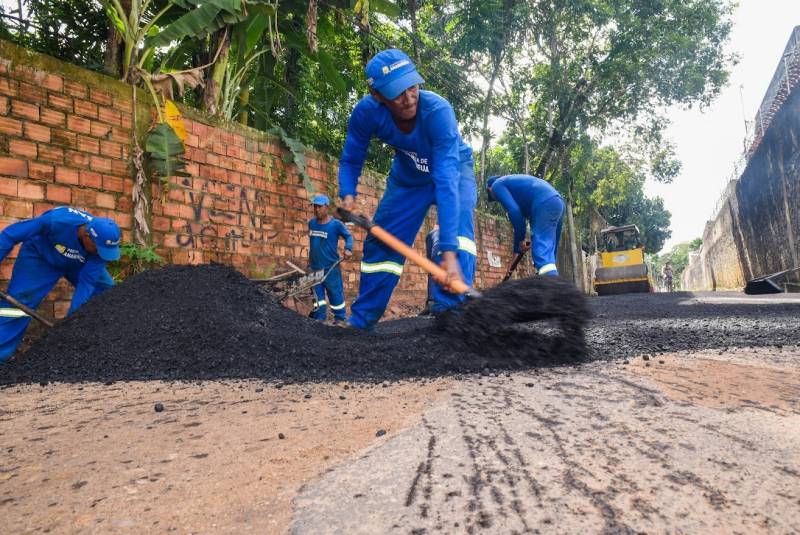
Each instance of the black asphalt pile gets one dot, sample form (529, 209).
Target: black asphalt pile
(210, 322)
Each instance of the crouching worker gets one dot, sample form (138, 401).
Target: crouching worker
(324, 233)
(62, 242)
(431, 165)
(529, 199)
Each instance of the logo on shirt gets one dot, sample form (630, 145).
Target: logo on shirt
(72, 254)
(318, 234)
(84, 215)
(420, 163)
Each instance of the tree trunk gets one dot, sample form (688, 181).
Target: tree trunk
(577, 260)
(487, 108)
(214, 81)
(112, 57)
(412, 14)
(525, 149)
(291, 78)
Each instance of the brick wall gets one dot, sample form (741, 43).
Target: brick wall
(66, 137)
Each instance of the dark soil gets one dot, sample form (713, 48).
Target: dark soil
(209, 322)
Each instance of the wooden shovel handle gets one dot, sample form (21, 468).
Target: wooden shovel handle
(438, 273)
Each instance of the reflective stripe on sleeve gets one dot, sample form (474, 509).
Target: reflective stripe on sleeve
(321, 303)
(467, 245)
(386, 267)
(11, 313)
(547, 268)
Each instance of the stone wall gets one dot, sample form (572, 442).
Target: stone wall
(65, 139)
(757, 229)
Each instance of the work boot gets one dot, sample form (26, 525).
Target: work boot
(337, 322)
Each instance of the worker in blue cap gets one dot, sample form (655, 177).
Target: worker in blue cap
(324, 233)
(432, 166)
(531, 200)
(62, 242)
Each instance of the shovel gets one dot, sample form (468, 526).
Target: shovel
(439, 275)
(767, 284)
(513, 265)
(26, 309)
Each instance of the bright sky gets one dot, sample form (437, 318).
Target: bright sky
(709, 142)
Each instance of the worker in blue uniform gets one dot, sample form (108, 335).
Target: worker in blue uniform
(324, 233)
(431, 165)
(62, 242)
(529, 199)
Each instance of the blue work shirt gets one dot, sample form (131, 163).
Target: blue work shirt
(431, 153)
(520, 195)
(54, 234)
(324, 241)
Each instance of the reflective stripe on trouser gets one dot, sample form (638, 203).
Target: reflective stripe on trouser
(31, 280)
(401, 213)
(545, 233)
(332, 285)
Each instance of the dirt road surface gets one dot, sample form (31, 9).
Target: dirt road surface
(685, 419)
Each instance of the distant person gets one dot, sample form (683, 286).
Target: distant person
(324, 233)
(666, 272)
(431, 165)
(531, 200)
(62, 242)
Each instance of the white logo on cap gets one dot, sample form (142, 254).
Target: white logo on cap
(93, 233)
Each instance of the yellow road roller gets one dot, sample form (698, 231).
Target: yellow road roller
(620, 263)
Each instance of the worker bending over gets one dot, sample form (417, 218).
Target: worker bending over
(324, 233)
(62, 242)
(530, 199)
(431, 165)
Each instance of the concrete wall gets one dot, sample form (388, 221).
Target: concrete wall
(66, 136)
(757, 229)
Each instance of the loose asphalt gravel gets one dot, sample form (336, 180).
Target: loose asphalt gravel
(209, 322)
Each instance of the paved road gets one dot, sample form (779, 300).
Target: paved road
(673, 445)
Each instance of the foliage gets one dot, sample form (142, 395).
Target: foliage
(165, 149)
(678, 256)
(134, 258)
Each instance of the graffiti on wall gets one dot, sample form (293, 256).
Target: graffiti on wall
(226, 218)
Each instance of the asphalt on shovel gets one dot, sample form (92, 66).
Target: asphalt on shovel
(488, 316)
(26, 309)
(514, 265)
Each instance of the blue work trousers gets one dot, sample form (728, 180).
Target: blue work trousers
(401, 212)
(333, 286)
(545, 235)
(31, 280)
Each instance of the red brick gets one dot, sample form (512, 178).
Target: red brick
(75, 89)
(101, 130)
(22, 148)
(172, 210)
(98, 163)
(18, 209)
(99, 96)
(91, 179)
(10, 126)
(160, 223)
(88, 144)
(110, 116)
(124, 204)
(123, 220)
(4, 105)
(8, 87)
(112, 183)
(120, 135)
(60, 309)
(8, 186)
(41, 207)
(49, 153)
(126, 121)
(13, 167)
(84, 198)
(53, 82)
(52, 117)
(61, 194)
(32, 93)
(67, 175)
(30, 190)
(85, 108)
(77, 159)
(64, 138)
(106, 200)
(60, 102)
(41, 171)
(80, 125)
(37, 132)
(120, 167)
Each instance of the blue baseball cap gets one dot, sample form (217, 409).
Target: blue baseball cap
(321, 200)
(491, 180)
(105, 234)
(390, 72)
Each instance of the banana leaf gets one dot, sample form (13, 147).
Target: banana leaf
(205, 19)
(164, 148)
